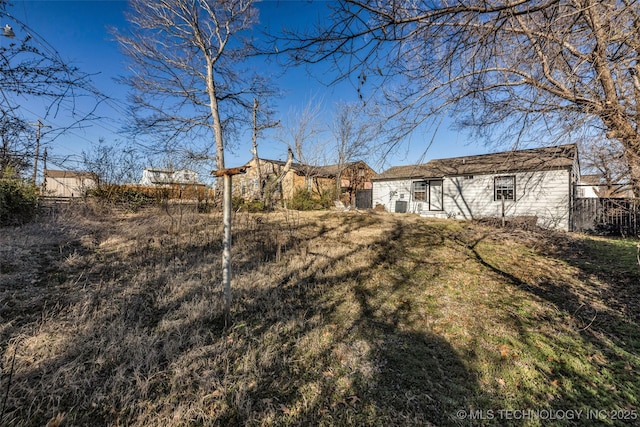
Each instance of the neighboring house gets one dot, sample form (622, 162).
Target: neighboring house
(59, 183)
(595, 186)
(536, 183)
(317, 179)
(354, 178)
(173, 184)
(249, 184)
(167, 177)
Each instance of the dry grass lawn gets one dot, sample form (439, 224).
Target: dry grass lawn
(339, 318)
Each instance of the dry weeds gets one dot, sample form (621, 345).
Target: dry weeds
(338, 319)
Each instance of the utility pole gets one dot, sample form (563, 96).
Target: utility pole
(40, 125)
(44, 171)
(254, 141)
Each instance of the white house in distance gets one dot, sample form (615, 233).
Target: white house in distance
(59, 183)
(167, 177)
(596, 186)
(537, 182)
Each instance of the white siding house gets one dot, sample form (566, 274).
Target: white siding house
(537, 183)
(595, 186)
(165, 177)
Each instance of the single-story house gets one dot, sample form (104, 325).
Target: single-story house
(60, 183)
(269, 177)
(537, 183)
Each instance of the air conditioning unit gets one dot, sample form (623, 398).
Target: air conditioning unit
(401, 206)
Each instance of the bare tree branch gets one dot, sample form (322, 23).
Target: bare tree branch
(189, 90)
(30, 68)
(512, 66)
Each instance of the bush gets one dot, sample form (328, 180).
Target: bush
(18, 202)
(255, 206)
(306, 200)
(129, 198)
(240, 204)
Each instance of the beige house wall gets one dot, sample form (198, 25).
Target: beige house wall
(67, 183)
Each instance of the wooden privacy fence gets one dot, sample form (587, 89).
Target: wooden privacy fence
(607, 216)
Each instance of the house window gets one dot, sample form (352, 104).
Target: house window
(504, 188)
(420, 191)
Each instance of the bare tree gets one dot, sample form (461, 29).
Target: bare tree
(607, 161)
(185, 58)
(31, 68)
(259, 125)
(189, 91)
(301, 132)
(15, 150)
(514, 66)
(113, 163)
(354, 136)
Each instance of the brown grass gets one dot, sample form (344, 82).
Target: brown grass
(338, 319)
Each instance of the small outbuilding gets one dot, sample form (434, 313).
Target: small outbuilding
(62, 183)
(537, 183)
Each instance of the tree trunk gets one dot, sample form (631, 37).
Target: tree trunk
(215, 116)
(634, 173)
(226, 249)
(226, 201)
(277, 183)
(622, 130)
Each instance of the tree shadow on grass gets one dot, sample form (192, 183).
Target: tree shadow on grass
(593, 344)
(313, 344)
(343, 362)
(611, 261)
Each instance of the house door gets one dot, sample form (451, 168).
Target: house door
(435, 195)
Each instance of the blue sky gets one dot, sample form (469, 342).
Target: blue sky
(78, 31)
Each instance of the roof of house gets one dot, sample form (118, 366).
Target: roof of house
(535, 159)
(52, 173)
(298, 167)
(334, 170)
(167, 170)
(328, 171)
(169, 176)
